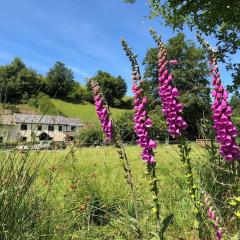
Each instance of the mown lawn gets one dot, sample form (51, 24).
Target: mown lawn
(86, 112)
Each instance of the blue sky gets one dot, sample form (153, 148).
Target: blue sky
(85, 35)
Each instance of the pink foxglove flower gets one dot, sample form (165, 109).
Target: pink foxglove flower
(212, 216)
(142, 123)
(141, 119)
(169, 94)
(226, 132)
(102, 111)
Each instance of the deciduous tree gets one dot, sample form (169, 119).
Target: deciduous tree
(59, 80)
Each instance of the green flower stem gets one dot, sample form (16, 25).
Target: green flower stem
(126, 166)
(155, 191)
(238, 229)
(192, 189)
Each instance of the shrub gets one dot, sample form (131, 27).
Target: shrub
(11, 107)
(44, 104)
(78, 93)
(90, 136)
(124, 124)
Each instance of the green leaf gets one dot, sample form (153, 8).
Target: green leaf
(233, 203)
(165, 223)
(237, 213)
(237, 199)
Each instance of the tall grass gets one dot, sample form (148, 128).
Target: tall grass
(23, 205)
(80, 193)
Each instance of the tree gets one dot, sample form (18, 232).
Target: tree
(190, 76)
(218, 18)
(235, 103)
(78, 93)
(125, 125)
(113, 88)
(16, 81)
(212, 17)
(59, 80)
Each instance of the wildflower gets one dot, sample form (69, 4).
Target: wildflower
(53, 168)
(73, 186)
(212, 216)
(171, 107)
(88, 198)
(141, 119)
(102, 110)
(82, 208)
(226, 132)
(142, 122)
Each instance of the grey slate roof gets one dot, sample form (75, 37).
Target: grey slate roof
(39, 119)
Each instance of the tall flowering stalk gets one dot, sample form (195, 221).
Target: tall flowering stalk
(169, 94)
(213, 217)
(172, 110)
(225, 130)
(102, 110)
(112, 134)
(142, 122)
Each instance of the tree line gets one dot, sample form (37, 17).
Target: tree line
(19, 83)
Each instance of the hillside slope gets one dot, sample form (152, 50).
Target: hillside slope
(19, 108)
(86, 112)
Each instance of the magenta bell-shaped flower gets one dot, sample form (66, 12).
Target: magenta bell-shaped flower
(226, 132)
(212, 216)
(142, 123)
(102, 111)
(171, 108)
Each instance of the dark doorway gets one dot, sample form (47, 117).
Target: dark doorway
(44, 137)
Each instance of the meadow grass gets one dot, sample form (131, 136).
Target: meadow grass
(88, 198)
(86, 112)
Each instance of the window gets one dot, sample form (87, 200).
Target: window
(50, 128)
(39, 127)
(73, 128)
(23, 139)
(24, 127)
(60, 128)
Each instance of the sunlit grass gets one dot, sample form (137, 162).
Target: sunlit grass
(88, 197)
(86, 112)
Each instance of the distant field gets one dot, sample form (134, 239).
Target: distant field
(85, 112)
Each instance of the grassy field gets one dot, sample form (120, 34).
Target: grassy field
(86, 112)
(88, 198)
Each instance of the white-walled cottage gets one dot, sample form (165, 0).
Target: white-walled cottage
(27, 128)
